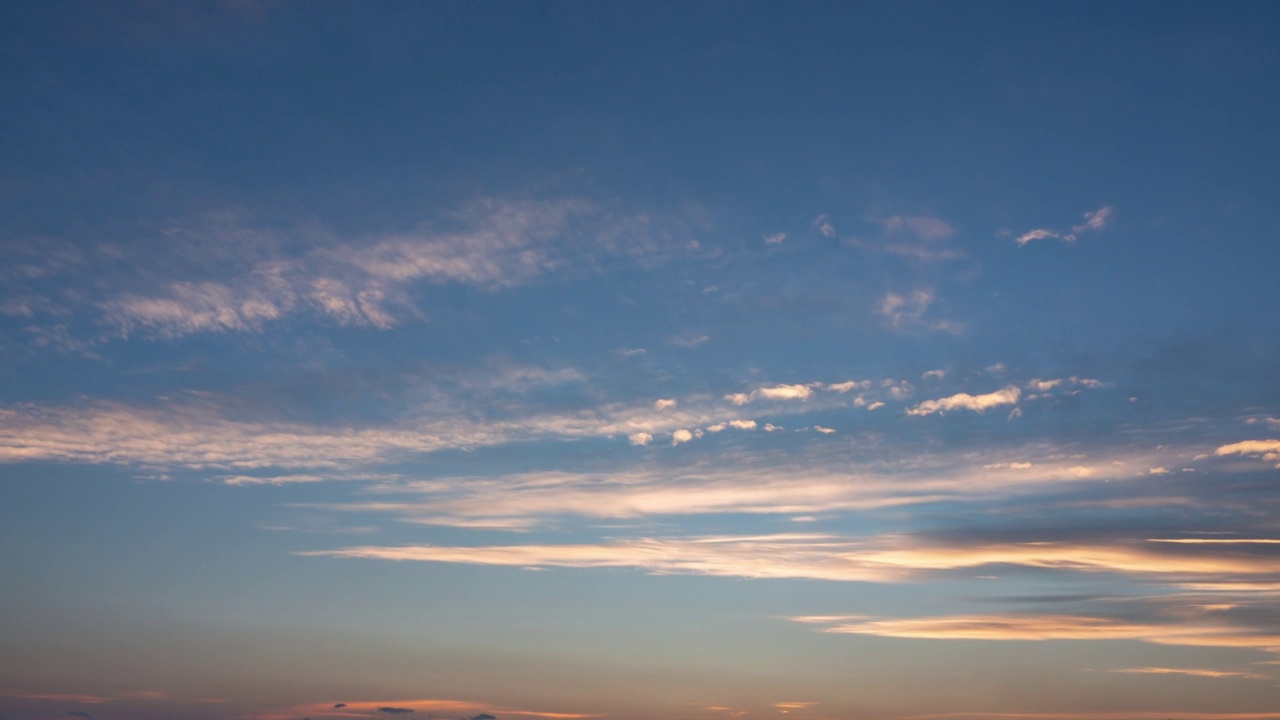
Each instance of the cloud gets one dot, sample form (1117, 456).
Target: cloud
(776, 392)
(934, 375)
(491, 244)
(640, 438)
(689, 340)
(848, 385)
(394, 710)
(923, 227)
(1094, 221)
(824, 430)
(887, 558)
(906, 313)
(680, 436)
(81, 713)
(922, 237)
(1268, 450)
(823, 225)
(743, 424)
(663, 404)
(339, 705)
(775, 239)
(964, 401)
(1194, 672)
(1040, 627)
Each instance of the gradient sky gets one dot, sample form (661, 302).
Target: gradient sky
(698, 361)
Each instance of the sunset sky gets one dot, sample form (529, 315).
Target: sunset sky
(639, 360)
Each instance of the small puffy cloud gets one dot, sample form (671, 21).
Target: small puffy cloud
(681, 436)
(934, 375)
(824, 430)
(770, 427)
(1014, 413)
(1043, 385)
(640, 438)
(847, 385)
(823, 225)
(964, 401)
(717, 427)
(775, 239)
(1158, 471)
(786, 392)
(743, 424)
(664, 403)
(875, 405)
(776, 392)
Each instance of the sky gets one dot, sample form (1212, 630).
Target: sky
(697, 361)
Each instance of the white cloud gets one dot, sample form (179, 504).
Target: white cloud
(875, 406)
(1037, 234)
(680, 436)
(964, 401)
(776, 392)
(775, 239)
(824, 430)
(847, 385)
(743, 424)
(770, 427)
(718, 427)
(664, 403)
(934, 375)
(785, 392)
(640, 438)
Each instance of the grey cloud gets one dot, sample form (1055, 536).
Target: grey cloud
(395, 710)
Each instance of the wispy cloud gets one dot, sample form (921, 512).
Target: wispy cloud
(1039, 627)
(920, 237)
(492, 245)
(1094, 220)
(907, 312)
(1193, 672)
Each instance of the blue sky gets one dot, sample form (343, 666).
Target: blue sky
(695, 361)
